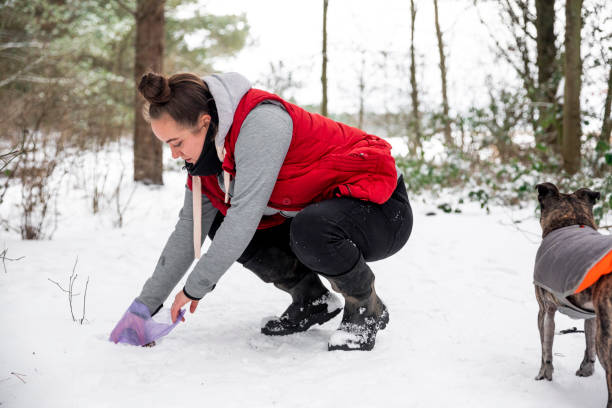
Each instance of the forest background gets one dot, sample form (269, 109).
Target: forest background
(523, 97)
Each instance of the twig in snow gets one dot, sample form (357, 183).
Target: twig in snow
(4, 258)
(70, 293)
(606, 227)
(19, 376)
(84, 301)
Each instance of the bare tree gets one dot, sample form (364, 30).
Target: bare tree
(446, 119)
(149, 47)
(324, 67)
(280, 80)
(570, 149)
(415, 122)
(528, 31)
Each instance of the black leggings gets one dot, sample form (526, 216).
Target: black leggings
(330, 237)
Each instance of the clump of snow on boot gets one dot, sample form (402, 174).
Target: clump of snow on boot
(349, 337)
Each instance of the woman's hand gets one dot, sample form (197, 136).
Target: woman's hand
(181, 300)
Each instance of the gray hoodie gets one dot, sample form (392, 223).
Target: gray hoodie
(564, 258)
(261, 148)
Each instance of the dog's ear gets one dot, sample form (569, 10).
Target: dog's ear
(587, 195)
(546, 190)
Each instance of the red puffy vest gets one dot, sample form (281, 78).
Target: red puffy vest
(325, 159)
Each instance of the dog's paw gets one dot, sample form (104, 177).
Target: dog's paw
(586, 369)
(546, 372)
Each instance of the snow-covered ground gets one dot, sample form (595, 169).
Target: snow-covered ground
(462, 332)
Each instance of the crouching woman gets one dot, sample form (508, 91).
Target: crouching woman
(289, 194)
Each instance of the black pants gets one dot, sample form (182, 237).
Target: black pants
(330, 237)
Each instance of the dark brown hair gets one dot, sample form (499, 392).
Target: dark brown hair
(183, 96)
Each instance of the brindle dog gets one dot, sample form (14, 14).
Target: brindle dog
(562, 210)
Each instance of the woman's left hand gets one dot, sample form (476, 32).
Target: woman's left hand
(181, 300)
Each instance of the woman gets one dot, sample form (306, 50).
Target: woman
(289, 194)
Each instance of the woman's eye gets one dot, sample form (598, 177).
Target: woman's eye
(179, 144)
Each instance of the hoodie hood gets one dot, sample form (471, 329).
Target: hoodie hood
(227, 90)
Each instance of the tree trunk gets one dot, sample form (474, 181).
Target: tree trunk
(414, 95)
(607, 120)
(571, 99)
(148, 57)
(547, 83)
(447, 130)
(324, 68)
(362, 92)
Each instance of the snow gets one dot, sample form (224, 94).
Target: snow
(462, 328)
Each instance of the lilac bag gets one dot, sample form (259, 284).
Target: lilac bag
(136, 327)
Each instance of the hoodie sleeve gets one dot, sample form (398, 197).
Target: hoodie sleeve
(177, 255)
(261, 148)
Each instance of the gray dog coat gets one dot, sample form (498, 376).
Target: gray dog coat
(570, 260)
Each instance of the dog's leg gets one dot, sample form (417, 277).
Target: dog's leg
(588, 362)
(602, 300)
(546, 325)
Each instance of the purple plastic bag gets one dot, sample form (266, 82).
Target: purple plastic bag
(136, 327)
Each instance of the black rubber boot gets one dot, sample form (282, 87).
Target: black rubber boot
(364, 312)
(311, 302)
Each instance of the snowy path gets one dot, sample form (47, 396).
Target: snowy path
(462, 332)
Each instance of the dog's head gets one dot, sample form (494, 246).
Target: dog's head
(561, 210)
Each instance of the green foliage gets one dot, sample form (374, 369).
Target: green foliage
(220, 36)
(511, 183)
(67, 66)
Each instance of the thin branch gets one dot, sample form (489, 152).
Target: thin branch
(84, 301)
(22, 44)
(19, 376)
(62, 289)
(524, 232)
(500, 48)
(18, 74)
(4, 258)
(7, 158)
(516, 20)
(73, 278)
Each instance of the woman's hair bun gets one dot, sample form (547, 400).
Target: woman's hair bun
(154, 88)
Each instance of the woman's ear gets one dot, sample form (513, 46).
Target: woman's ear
(204, 120)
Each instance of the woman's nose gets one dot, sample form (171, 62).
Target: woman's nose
(175, 153)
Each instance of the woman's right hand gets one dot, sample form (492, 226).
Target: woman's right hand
(181, 300)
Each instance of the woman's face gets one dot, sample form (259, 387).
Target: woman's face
(185, 143)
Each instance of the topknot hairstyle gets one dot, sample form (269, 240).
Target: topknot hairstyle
(155, 88)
